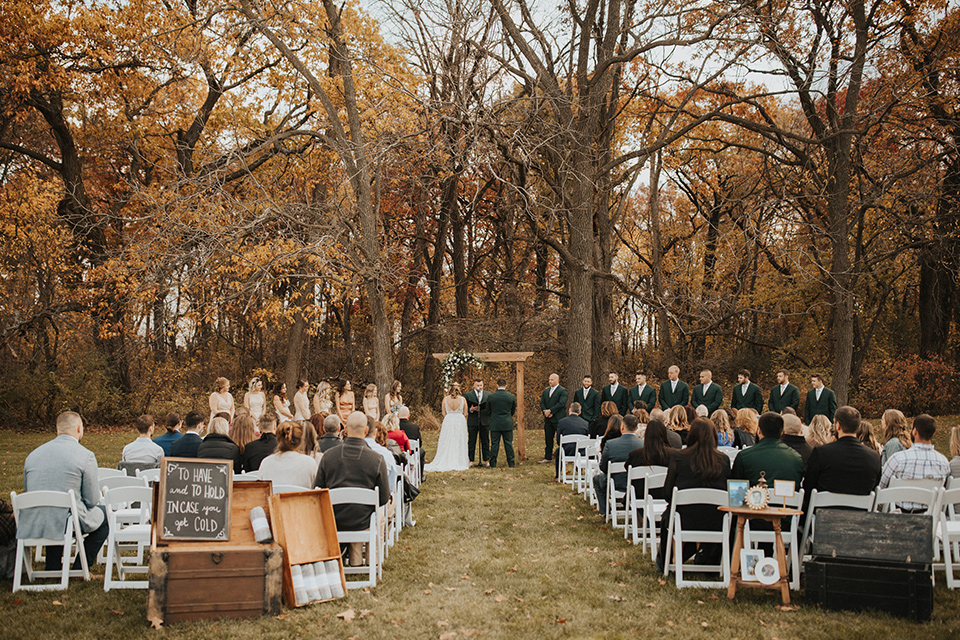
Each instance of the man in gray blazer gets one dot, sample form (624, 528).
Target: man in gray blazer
(60, 465)
(616, 450)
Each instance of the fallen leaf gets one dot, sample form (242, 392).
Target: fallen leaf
(616, 598)
(451, 588)
(713, 596)
(500, 598)
(449, 635)
(348, 615)
(57, 603)
(488, 592)
(701, 602)
(565, 547)
(651, 604)
(561, 621)
(762, 623)
(282, 616)
(427, 592)
(364, 613)
(788, 607)
(443, 623)
(16, 603)
(661, 581)
(671, 623)
(704, 624)
(116, 612)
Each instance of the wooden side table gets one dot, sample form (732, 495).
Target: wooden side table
(773, 516)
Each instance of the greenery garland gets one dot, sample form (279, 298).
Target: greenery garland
(455, 362)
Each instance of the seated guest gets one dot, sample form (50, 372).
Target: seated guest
(614, 423)
(745, 428)
(173, 424)
(919, 462)
(217, 444)
(187, 445)
(640, 412)
(679, 424)
(380, 434)
(656, 451)
(793, 438)
(699, 465)
(617, 450)
(243, 430)
(256, 451)
(955, 452)
(311, 441)
(599, 426)
(570, 425)
(143, 450)
(725, 435)
(412, 430)
(769, 456)
(330, 437)
(866, 436)
(60, 465)
(844, 466)
(288, 465)
(395, 433)
(393, 469)
(354, 464)
(896, 434)
(820, 431)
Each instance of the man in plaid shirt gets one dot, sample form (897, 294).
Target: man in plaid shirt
(921, 461)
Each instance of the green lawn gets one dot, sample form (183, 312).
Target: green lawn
(495, 554)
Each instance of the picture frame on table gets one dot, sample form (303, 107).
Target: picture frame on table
(749, 559)
(737, 492)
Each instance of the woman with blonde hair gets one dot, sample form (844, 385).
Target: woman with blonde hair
(288, 465)
(371, 405)
(745, 428)
(243, 431)
(321, 399)
(678, 422)
(725, 434)
(217, 444)
(896, 434)
(254, 399)
(955, 452)
(820, 431)
(221, 400)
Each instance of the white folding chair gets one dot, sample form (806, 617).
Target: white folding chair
(790, 537)
(72, 540)
(246, 477)
(949, 533)
(677, 535)
(370, 536)
(287, 488)
(634, 504)
(414, 458)
(730, 452)
(830, 499)
(568, 478)
(126, 537)
(653, 510)
(149, 475)
(106, 472)
(116, 482)
(591, 468)
(614, 495)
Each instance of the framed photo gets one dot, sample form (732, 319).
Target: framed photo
(749, 559)
(737, 492)
(784, 488)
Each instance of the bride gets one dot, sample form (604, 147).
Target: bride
(452, 445)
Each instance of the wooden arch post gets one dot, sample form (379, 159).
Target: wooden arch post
(519, 357)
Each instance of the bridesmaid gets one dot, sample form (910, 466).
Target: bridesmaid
(321, 400)
(301, 401)
(392, 400)
(221, 400)
(280, 403)
(255, 400)
(371, 405)
(346, 403)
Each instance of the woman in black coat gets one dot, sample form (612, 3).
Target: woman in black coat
(700, 465)
(217, 444)
(656, 451)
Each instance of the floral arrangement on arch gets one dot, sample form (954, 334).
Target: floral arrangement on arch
(455, 362)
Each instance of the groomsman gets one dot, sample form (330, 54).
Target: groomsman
(674, 391)
(707, 393)
(615, 393)
(820, 400)
(747, 395)
(478, 422)
(784, 394)
(589, 400)
(643, 393)
(553, 403)
(503, 405)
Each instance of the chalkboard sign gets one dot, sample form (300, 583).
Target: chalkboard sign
(195, 499)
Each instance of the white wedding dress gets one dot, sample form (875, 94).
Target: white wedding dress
(452, 445)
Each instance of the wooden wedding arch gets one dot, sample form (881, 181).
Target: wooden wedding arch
(519, 357)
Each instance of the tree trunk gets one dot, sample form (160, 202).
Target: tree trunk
(663, 320)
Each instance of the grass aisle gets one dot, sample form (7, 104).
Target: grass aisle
(496, 553)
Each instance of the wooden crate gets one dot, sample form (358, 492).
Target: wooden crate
(897, 588)
(200, 580)
(304, 526)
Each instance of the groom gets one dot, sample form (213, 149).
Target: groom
(503, 405)
(478, 422)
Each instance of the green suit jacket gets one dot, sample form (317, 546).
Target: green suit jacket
(649, 396)
(713, 398)
(775, 459)
(619, 398)
(826, 406)
(669, 398)
(752, 400)
(503, 405)
(556, 404)
(790, 398)
(589, 405)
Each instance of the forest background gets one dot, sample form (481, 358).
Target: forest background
(191, 189)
